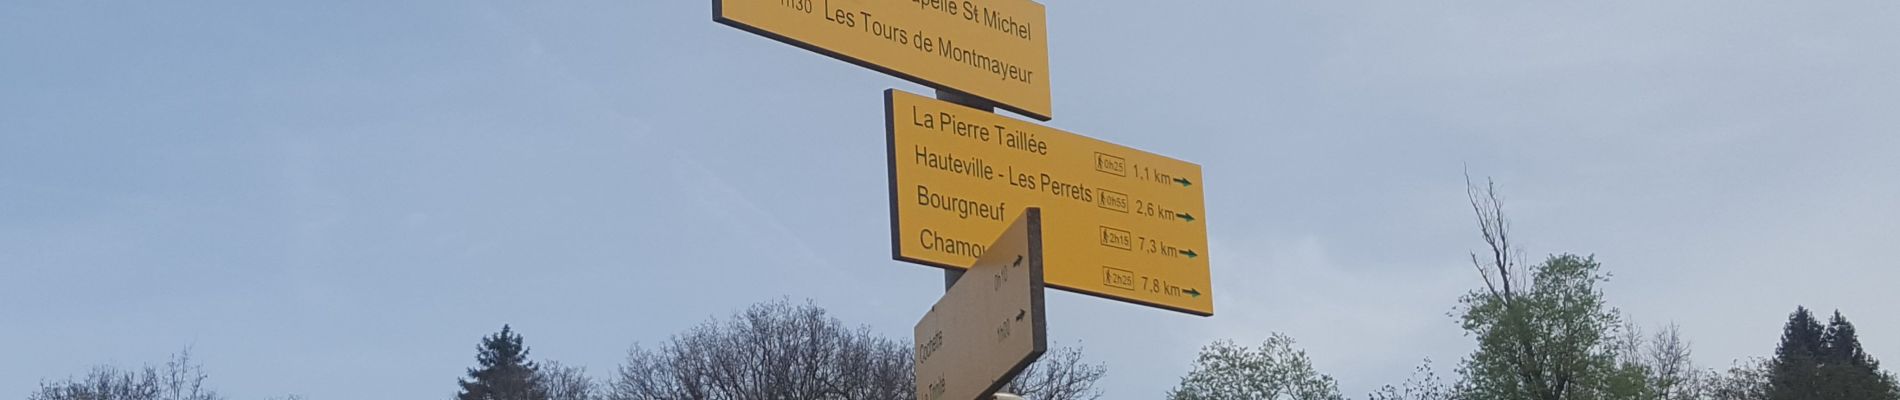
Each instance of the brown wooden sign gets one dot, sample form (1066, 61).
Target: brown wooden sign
(989, 325)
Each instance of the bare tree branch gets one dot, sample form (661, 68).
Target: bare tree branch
(781, 351)
(180, 379)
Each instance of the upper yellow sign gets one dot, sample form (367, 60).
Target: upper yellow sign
(1117, 222)
(992, 49)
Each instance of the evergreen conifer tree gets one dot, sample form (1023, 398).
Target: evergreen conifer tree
(1846, 371)
(1796, 369)
(1841, 345)
(505, 372)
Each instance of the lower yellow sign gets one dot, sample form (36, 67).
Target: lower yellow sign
(1118, 222)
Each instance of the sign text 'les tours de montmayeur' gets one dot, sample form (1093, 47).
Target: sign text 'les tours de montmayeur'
(995, 50)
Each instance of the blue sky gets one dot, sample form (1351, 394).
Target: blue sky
(357, 191)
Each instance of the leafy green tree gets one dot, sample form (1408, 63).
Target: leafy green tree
(1544, 333)
(1275, 371)
(1746, 380)
(1550, 342)
(505, 372)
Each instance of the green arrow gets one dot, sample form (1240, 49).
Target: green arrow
(1184, 182)
(1186, 217)
(1189, 253)
(1192, 292)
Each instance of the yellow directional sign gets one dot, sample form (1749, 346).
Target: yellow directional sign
(1117, 222)
(989, 325)
(996, 50)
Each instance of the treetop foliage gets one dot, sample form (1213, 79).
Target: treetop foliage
(503, 372)
(1813, 362)
(1550, 342)
(1274, 371)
